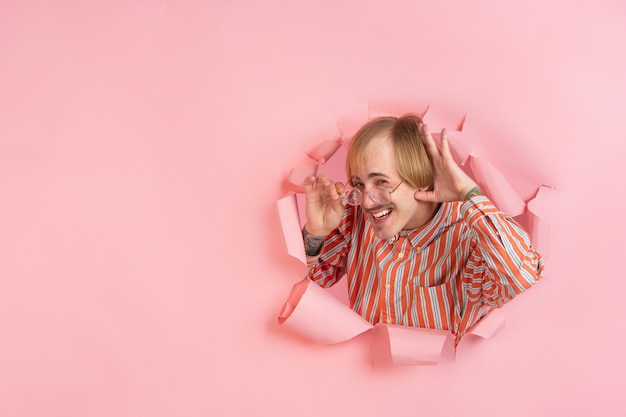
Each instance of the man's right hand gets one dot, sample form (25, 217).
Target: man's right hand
(324, 207)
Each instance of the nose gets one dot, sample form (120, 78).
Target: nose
(368, 202)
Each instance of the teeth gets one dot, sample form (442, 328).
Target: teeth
(381, 214)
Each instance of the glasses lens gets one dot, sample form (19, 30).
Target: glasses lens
(352, 196)
(381, 195)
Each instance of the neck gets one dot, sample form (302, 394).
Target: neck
(424, 214)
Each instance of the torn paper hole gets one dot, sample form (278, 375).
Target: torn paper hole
(315, 314)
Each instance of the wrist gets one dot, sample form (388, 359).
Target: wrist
(470, 192)
(312, 243)
(307, 230)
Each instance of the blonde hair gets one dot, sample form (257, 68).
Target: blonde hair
(412, 160)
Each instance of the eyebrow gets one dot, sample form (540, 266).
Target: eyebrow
(370, 175)
(377, 174)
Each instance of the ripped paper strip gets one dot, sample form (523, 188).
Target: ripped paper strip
(324, 151)
(317, 315)
(460, 145)
(490, 325)
(290, 222)
(437, 120)
(539, 209)
(499, 190)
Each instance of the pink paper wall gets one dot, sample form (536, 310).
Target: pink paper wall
(143, 145)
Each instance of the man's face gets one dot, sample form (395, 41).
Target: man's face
(378, 168)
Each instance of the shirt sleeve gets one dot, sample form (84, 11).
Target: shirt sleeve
(504, 263)
(329, 265)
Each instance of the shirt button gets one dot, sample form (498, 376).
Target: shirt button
(401, 255)
(389, 320)
(387, 285)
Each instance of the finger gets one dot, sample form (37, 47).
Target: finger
(338, 202)
(428, 196)
(334, 189)
(327, 186)
(445, 146)
(324, 180)
(429, 142)
(309, 184)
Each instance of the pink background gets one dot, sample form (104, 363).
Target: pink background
(143, 145)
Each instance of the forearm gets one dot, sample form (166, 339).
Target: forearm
(325, 257)
(312, 243)
(511, 264)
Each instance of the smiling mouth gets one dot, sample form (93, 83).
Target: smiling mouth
(380, 214)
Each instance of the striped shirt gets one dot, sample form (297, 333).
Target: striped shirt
(447, 274)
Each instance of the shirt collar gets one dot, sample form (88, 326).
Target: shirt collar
(422, 236)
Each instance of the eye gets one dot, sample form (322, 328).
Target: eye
(355, 181)
(358, 185)
(382, 182)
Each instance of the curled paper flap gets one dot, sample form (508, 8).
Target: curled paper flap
(461, 146)
(538, 225)
(496, 187)
(437, 120)
(316, 315)
(299, 174)
(401, 345)
(290, 223)
(490, 325)
(324, 151)
(301, 203)
(319, 316)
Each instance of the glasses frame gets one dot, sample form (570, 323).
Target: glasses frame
(368, 193)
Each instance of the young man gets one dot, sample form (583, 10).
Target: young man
(419, 243)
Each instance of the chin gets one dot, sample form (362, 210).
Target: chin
(385, 233)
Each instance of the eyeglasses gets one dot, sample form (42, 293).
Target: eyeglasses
(379, 195)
